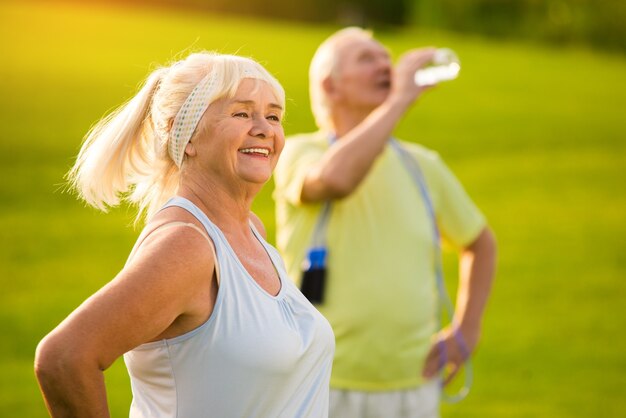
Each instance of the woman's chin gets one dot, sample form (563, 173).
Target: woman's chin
(257, 178)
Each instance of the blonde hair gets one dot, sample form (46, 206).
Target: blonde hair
(323, 65)
(125, 155)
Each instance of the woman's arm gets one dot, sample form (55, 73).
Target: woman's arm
(159, 294)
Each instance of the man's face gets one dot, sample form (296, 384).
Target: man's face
(362, 79)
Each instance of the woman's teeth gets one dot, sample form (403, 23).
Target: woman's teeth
(262, 151)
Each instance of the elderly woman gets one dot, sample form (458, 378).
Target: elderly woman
(203, 312)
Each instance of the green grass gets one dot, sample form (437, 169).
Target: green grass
(537, 135)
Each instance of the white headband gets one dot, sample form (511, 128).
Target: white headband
(187, 118)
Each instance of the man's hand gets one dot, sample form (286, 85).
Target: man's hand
(450, 349)
(403, 87)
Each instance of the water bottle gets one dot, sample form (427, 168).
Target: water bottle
(444, 66)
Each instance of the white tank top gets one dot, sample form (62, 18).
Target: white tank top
(258, 355)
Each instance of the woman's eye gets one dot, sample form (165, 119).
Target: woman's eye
(274, 118)
(241, 115)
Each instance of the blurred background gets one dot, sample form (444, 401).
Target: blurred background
(535, 128)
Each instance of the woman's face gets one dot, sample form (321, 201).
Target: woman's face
(243, 135)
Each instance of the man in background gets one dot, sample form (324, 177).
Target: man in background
(380, 294)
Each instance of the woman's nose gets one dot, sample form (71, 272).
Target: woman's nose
(261, 128)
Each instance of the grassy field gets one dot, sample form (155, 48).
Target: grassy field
(537, 135)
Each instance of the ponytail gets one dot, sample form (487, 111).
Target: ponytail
(117, 150)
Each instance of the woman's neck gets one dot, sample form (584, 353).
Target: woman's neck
(227, 207)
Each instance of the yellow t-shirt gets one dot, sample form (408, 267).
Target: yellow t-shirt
(380, 297)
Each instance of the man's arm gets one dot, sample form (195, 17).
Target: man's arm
(476, 272)
(350, 158)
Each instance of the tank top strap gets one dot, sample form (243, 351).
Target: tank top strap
(271, 253)
(223, 262)
(211, 229)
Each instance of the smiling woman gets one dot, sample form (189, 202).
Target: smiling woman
(203, 312)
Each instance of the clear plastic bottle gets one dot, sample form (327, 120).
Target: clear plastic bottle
(444, 66)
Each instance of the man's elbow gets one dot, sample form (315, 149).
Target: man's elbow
(326, 188)
(339, 187)
(341, 191)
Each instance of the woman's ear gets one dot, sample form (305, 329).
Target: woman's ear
(190, 150)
